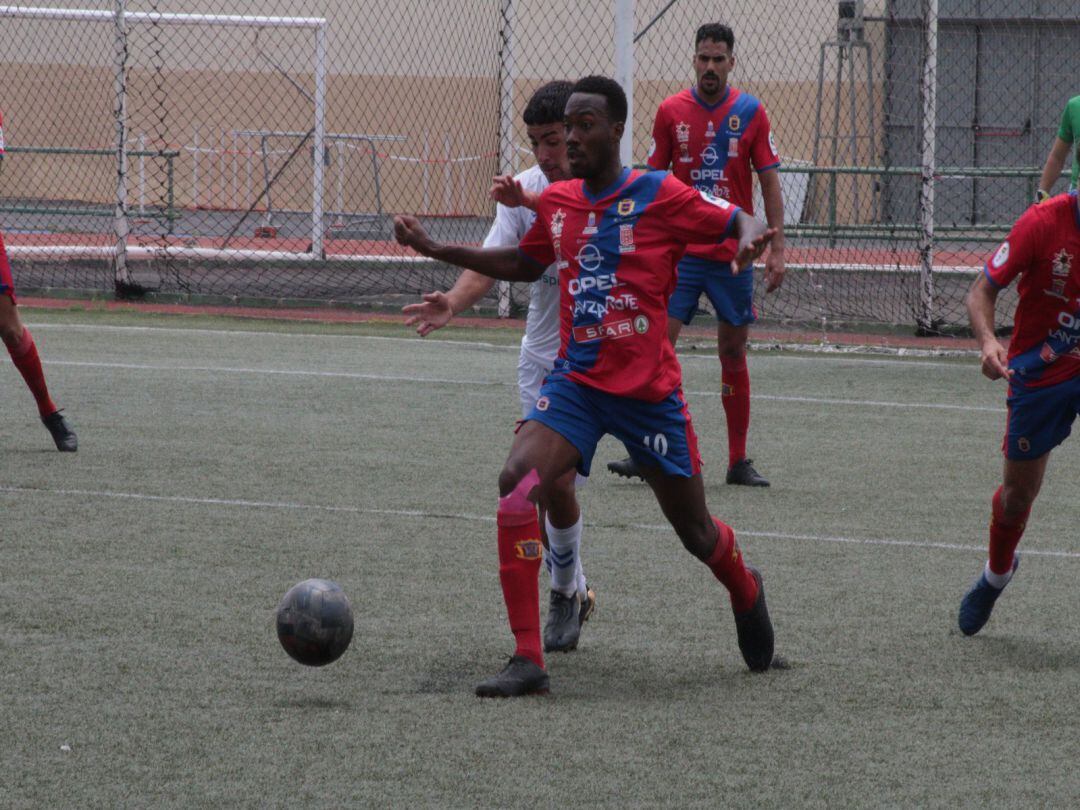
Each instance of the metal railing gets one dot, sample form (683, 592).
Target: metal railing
(166, 212)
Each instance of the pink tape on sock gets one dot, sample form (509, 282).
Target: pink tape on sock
(517, 502)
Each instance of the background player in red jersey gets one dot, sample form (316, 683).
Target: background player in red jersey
(616, 235)
(712, 136)
(20, 345)
(1042, 366)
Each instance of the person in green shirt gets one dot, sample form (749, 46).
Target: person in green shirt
(1067, 137)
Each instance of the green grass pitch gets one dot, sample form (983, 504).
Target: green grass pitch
(223, 461)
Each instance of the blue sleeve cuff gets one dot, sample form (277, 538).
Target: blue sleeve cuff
(731, 223)
(990, 278)
(767, 168)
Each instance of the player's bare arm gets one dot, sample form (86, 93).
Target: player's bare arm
(509, 192)
(980, 306)
(774, 215)
(437, 308)
(753, 238)
(503, 264)
(1055, 162)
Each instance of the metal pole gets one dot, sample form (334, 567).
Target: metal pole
(624, 71)
(318, 141)
(120, 220)
(929, 144)
(508, 74)
(142, 174)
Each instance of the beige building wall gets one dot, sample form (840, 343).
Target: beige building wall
(427, 73)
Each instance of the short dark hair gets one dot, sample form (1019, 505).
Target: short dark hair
(717, 32)
(547, 104)
(610, 89)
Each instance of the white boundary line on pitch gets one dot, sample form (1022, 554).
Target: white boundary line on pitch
(419, 513)
(827, 356)
(352, 375)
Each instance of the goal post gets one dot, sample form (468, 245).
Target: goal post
(122, 22)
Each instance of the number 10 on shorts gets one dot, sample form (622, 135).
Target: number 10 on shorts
(657, 444)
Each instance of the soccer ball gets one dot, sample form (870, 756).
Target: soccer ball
(314, 622)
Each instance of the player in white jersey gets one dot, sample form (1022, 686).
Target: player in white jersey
(571, 599)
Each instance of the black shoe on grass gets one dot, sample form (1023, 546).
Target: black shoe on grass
(588, 605)
(625, 467)
(744, 474)
(755, 631)
(563, 626)
(518, 678)
(63, 435)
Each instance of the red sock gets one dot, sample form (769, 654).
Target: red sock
(26, 360)
(520, 554)
(1004, 537)
(735, 395)
(727, 565)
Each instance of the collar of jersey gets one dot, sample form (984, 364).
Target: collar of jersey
(595, 198)
(710, 107)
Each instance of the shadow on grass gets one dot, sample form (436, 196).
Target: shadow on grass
(314, 702)
(1034, 655)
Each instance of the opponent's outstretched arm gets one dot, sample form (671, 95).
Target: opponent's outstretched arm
(438, 307)
(502, 263)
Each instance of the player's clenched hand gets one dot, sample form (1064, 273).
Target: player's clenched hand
(750, 247)
(409, 232)
(433, 314)
(995, 361)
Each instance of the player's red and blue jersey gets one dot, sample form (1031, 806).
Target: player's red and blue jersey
(1043, 249)
(617, 253)
(714, 149)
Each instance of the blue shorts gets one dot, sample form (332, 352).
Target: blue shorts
(732, 296)
(1040, 418)
(656, 434)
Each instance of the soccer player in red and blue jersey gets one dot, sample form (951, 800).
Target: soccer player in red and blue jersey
(24, 354)
(616, 236)
(1042, 367)
(712, 137)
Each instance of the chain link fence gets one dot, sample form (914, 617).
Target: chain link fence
(254, 152)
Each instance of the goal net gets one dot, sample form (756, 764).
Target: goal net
(245, 153)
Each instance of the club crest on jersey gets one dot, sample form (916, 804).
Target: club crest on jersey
(733, 123)
(590, 226)
(1002, 254)
(556, 246)
(709, 156)
(557, 220)
(772, 145)
(527, 549)
(682, 135)
(1062, 263)
(733, 147)
(543, 404)
(625, 207)
(641, 324)
(626, 239)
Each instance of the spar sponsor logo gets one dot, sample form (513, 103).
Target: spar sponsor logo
(615, 330)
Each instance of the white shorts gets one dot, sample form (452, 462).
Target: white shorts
(531, 376)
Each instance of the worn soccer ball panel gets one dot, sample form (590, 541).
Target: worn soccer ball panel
(315, 622)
